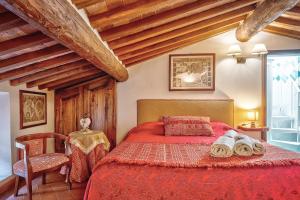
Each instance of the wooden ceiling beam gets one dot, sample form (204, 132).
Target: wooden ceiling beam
(282, 31)
(178, 45)
(61, 21)
(129, 12)
(291, 22)
(20, 43)
(83, 4)
(77, 82)
(8, 21)
(43, 69)
(123, 51)
(152, 26)
(181, 38)
(263, 15)
(294, 11)
(33, 57)
(69, 79)
(69, 73)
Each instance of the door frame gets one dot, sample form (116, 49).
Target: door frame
(264, 78)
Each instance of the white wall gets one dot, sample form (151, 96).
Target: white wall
(5, 141)
(15, 112)
(241, 82)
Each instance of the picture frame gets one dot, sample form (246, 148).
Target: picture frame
(33, 109)
(192, 72)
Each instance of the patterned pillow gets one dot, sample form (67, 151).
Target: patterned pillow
(187, 125)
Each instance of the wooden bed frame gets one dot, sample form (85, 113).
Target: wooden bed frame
(153, 109)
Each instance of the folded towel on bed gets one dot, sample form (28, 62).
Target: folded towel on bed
(257, 146)
(231, 134)
(222, 147)
(243, 146)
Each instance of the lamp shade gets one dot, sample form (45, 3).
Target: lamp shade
(252, 115)
(234, 50)
(259, 49)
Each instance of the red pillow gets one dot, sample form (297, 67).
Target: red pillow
(187, 125)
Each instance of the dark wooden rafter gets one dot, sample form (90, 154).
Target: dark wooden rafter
(181, 26)
(33, 57)
(281, 31)
(61, 21)
(294, 11)
(129, 12)
(69, 80)
(42, 69)
(76, 81)
(123, 52)
(69, 73)
(188, 36)
(155, 25)
(171, 45)
(82, 4)
(21, 43)
(263, 15)
(287, 21)
(8, 21)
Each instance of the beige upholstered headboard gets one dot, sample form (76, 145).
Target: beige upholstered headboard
(153, 109)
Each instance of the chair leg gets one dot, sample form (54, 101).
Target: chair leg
(69, 176)
(16, 186)
(44, 179)
(29, 187)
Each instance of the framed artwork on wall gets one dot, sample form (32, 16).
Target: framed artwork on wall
(192, 72)
(33, 109)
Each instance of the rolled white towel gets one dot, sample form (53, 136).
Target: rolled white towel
(258, 147)
(222, 147)
(231, 134)
(243, 146)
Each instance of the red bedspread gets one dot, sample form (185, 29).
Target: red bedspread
(123, 181)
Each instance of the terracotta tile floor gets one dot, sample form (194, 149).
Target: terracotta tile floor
(54, 189)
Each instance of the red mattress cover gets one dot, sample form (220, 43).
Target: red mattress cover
(124, 181)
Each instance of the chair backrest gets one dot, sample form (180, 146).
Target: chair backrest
(37, 143)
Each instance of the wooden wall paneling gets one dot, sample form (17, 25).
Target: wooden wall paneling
(97, 98)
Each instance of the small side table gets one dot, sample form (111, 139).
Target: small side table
(256, 132)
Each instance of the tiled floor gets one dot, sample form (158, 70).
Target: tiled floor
(55, 189)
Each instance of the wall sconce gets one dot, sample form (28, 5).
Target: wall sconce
(236, 52)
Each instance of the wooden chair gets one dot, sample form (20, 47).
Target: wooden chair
(34, 161)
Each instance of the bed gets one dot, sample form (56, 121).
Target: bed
(141, 180)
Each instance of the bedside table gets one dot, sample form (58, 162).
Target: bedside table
(257, 132)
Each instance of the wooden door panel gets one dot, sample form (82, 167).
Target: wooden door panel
(70, 115)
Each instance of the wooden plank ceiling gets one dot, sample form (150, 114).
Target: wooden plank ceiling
(28, 56)
(137, 30)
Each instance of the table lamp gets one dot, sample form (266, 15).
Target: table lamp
(252, 116)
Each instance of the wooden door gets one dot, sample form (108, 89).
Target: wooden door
(97, 99)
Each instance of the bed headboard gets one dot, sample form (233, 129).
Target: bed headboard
(218, 110)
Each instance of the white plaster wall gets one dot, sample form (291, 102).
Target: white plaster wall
(15, 113)
(5, 141)
(241, 82)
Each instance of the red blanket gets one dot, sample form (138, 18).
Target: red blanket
(121, 181)
(194, 155)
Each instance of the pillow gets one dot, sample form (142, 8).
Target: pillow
(187, 125)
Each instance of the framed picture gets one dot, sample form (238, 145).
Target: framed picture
(190, 72)
(33, 109)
